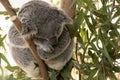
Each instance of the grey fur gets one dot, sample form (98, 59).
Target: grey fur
(45, 25)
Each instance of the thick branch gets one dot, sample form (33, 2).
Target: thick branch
(29, 42)
(67, 6)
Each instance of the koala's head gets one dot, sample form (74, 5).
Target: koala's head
(39, 19)
(54, 24)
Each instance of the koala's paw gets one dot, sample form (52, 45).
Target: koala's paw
(47, 48)
(43, 54)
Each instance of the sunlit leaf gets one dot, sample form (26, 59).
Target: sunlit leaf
(4, 58)
(89, 3)
(90, 26)
(78, 20)
(84, 35)
(11, 78)
(1, 41)
(53, 75)
(94, 57)
(117, 13)
(65, 73)
(92, 73)
(12, 68)
(112, 76)
(116, 68)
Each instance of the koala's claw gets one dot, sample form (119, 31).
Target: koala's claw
(48, 48)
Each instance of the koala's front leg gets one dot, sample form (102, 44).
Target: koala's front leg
(59, 48)
(60, 61)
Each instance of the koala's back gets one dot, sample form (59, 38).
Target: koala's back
(15, 38)
(48, 21)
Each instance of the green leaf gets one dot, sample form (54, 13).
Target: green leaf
(7, 17)
(94, 47)
(53, 75)
(101, 76)
(0, 28)
(12, 68)
(11, 77)
(73, 2)
(112, 76)
(65, 73)
(71, 30)
(1, 41)
(118, 1)
(106, 54)
(117, 13)
(78, 20)
(100, 14)
(94, 57)
(116, 68)
(84, 34)
(3, 13)
(4, 59)
(90, 26)
(104, 49)
(80, 3)
(2, 73)
(93, 21)
(92, 74)
(73, 33)
(89, 3)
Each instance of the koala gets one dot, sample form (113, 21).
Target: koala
(45, 25)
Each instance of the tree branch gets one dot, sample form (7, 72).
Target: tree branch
(67, 6)
(18, 26)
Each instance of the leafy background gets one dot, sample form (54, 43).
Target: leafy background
(96, 55)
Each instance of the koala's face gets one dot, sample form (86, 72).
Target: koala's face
(54, 22)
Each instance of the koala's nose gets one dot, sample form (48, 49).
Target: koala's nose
(54, 40)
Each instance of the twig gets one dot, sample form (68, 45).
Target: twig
(18, 26)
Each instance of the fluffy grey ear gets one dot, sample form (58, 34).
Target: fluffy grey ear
(65, 18)
(61, 16)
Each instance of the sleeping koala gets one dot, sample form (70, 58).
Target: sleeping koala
(45, 25)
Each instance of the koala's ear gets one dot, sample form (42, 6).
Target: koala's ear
(65, 18)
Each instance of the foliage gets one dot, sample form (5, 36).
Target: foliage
(96, 30)
(6, 14)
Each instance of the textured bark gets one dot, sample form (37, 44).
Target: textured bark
(67, 6)
(29, 42)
